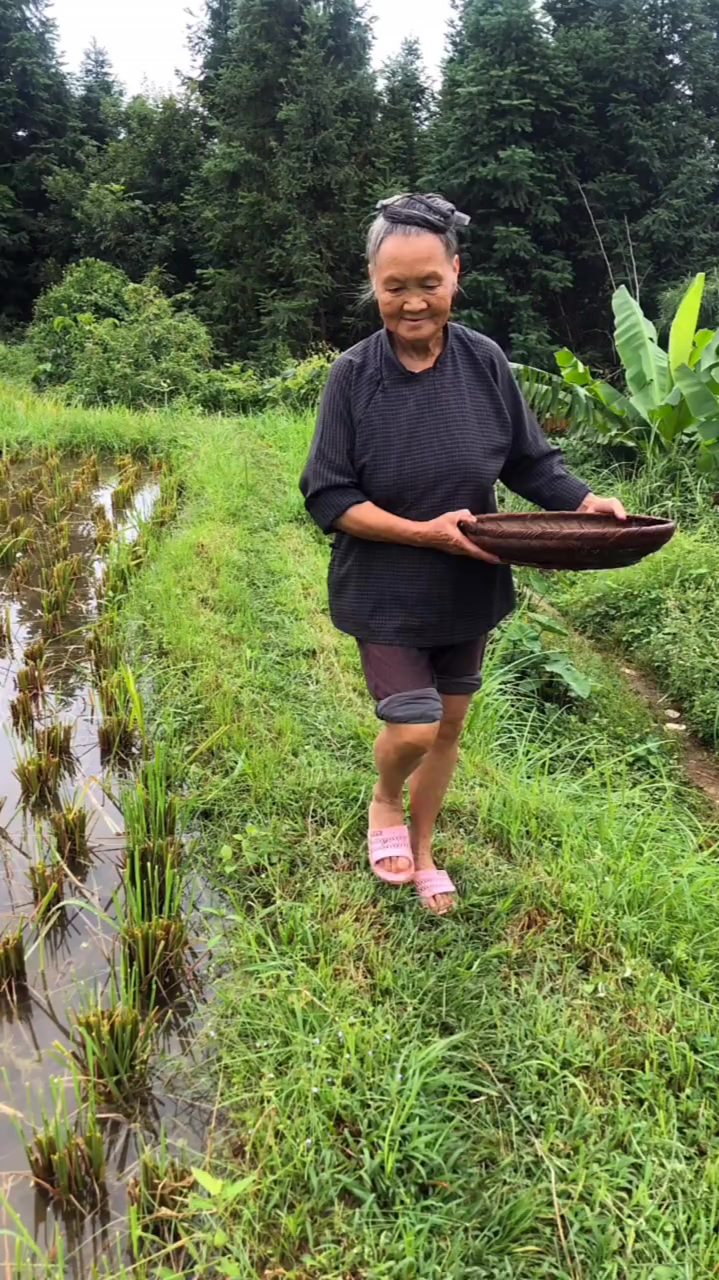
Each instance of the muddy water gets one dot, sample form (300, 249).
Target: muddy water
(76, 953)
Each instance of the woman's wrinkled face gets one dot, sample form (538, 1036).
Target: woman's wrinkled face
(414, 283)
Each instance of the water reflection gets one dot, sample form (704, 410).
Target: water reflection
(75, 950)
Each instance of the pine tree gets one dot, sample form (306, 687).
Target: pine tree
(125, 203)
(640, 147)
(247, 59)
(210, 42)
(325, 176)
(99, 98)
(407, 101)
(279, 204)
(35, 125)
(498, 153)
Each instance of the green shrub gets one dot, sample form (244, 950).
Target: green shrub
(109, 342)
(664, 613)
(300, 386)
(234, 389)
(89, 289)
(151, 358)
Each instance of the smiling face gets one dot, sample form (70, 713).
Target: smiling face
(414, 283)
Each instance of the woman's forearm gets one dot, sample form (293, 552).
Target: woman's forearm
(367, 521)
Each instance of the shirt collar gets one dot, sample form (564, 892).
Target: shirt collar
(393, 365)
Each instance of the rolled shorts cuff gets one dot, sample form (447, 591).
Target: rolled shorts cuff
(453, 685)
(420, 706)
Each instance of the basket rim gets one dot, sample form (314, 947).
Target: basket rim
(653, 522)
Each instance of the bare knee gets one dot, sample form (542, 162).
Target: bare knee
(455, 708)
(410, 739)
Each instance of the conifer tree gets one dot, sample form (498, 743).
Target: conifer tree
(280, 202)
(35, 127)
(100, 97)
(324, 173)
(498, 153)
(407, 101)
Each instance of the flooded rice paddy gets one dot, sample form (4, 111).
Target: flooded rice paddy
(95, 920)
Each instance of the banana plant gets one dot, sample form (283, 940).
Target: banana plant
(670, 398)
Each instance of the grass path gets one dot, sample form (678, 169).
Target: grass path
(528, 1089)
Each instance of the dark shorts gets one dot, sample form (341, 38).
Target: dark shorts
(407, 683)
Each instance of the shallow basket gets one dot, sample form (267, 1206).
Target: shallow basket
(568, 539)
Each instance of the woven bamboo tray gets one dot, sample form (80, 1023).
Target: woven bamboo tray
(568, 539)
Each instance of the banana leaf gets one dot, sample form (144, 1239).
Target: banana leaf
(646, 365)
(702, 402)
(684, 325)
(550, 396)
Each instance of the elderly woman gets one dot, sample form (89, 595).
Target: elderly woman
(416, 426)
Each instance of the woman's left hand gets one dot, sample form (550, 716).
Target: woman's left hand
(594, 506)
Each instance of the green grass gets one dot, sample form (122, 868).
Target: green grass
(527, 1089)
(663, 613)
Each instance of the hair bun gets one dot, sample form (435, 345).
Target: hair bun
(432, 212)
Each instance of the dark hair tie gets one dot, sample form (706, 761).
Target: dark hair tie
(431, 212)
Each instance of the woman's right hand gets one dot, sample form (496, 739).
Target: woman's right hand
(444, 534)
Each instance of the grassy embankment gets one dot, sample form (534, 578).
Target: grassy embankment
(664, 612)
(527, 1089)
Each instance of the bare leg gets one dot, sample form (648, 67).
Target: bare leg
(398, 751)
(428, 787)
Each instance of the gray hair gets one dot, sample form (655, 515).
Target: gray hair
(415, 215)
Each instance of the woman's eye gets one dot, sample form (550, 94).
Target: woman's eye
(396, 289)
(430, 285)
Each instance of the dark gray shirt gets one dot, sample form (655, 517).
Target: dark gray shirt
(419, 445)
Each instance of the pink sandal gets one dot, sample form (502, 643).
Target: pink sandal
(391, 842)
(430, 883)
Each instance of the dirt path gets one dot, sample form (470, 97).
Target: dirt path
(700, 763)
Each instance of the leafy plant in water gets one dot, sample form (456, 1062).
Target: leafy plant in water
(16, 539)
(670, 398)
(104, 647)
(6, 630)
(39, 777)
(56, 545)
(130, 477)
(159, 1193)
(18, 576)
(31, 679)
(69, 826)
(150, 808)
(67, 1156)
(115, 732)
(58, 582)
(124, 559)
(112, 1045)
(154, 932)
(104, 528)
(47, 883)
(22, 710)
(56, 740)
(35, 653)
(13, 972)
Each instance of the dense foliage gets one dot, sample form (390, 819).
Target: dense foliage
(102, 340)
(667, 401)
(582, 138)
